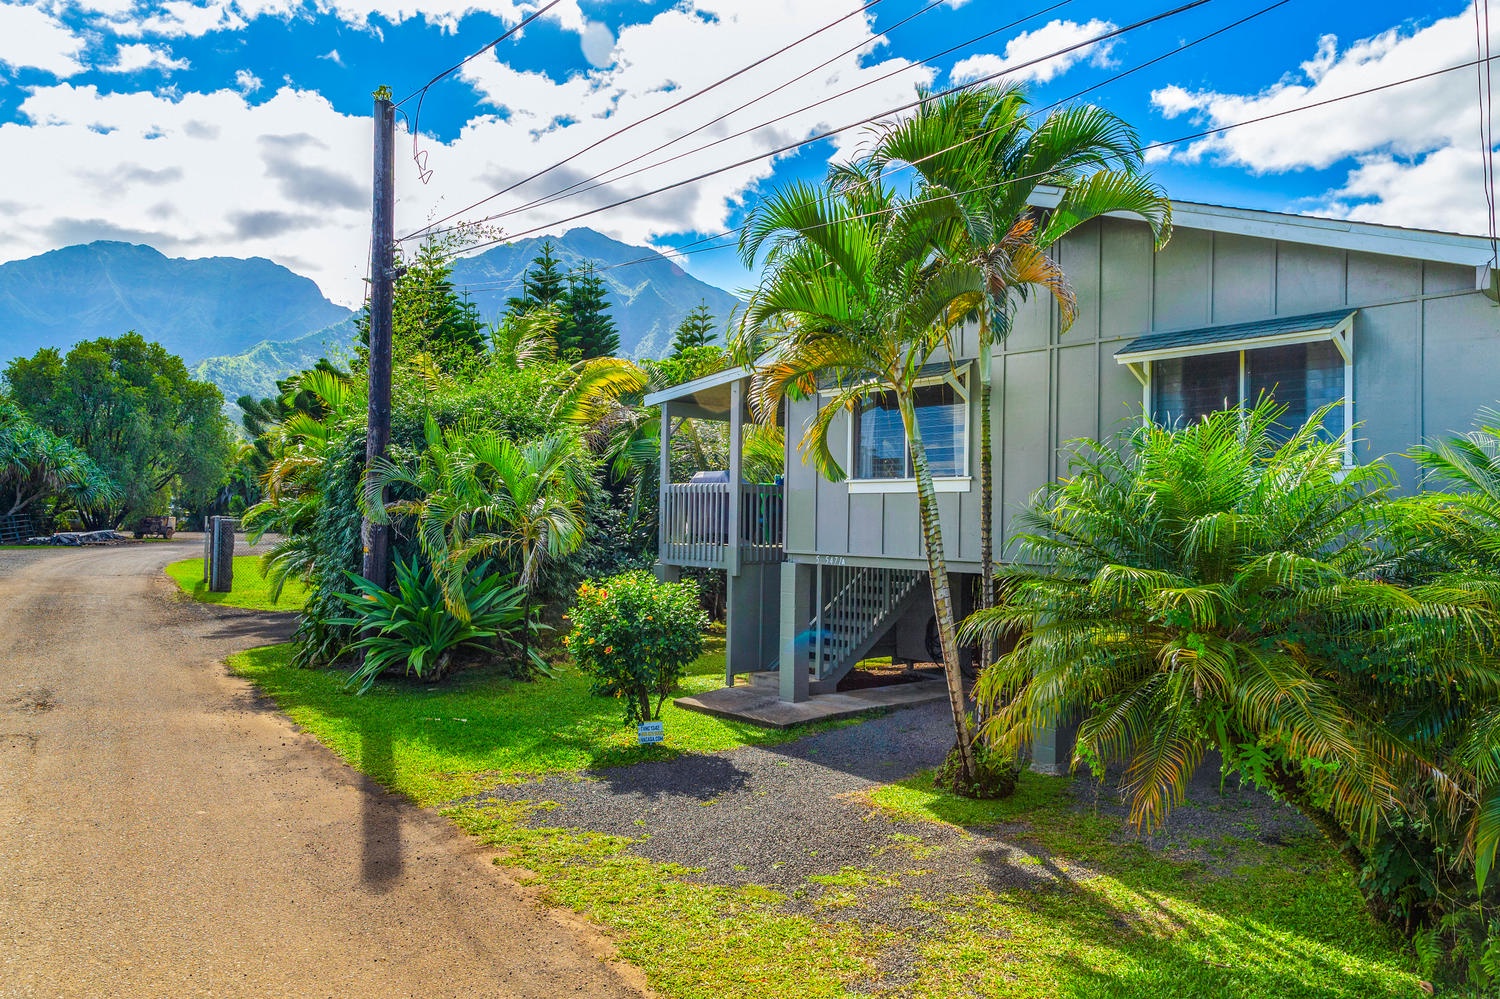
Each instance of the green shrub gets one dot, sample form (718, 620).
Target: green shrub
(995, 774)
(413, 626)
(634, 637)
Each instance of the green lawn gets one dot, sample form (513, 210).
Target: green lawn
(250, 590)
(1127, 923)
(478, 729)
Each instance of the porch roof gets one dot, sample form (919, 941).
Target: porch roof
(1236, 336)
(709, 394)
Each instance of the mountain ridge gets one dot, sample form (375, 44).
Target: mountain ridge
(195, 307)
(245, 323)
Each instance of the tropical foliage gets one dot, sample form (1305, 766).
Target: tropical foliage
(635, 637)
(1222, 588)
(132, 407)
(411, 627)
(43, 475)
(985, 148)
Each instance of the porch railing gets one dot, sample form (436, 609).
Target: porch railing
(697, 524)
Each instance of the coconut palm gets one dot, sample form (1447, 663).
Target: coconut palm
(860, 306)
(1212, 588)
(983, 146)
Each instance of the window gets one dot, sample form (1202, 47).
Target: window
(878, 440)
(1301, 376)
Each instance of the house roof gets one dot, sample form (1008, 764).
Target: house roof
(1367, 237)
(1236, 336)
(709, 393)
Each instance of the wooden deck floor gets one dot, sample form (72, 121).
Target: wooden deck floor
(760, 704)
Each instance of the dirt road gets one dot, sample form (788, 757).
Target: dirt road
(163, 833)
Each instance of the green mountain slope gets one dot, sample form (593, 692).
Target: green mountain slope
(194, 308)
(256, 371)
(649, 294)
(648, 300)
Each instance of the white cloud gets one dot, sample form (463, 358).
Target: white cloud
(332, 55)
(542, 120)
(134, 57)
(288, 178)
(205, 174)
(30, 38)
(1037, 47)
(1415, 148)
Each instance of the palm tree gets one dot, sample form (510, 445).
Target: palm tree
(860, 304)
(980, 146)
(477, 494)
(1213, 588)
(1469, 462)
(37, 465)
(315, 410)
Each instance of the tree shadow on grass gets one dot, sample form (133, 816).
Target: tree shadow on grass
(1126, 922)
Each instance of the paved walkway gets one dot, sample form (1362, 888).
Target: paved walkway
(163, 833)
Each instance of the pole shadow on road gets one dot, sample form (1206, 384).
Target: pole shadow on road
(381, 819)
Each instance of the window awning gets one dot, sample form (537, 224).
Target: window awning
(1333, 326)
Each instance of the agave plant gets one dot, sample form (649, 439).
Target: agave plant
(1220, 587)
(411, 627)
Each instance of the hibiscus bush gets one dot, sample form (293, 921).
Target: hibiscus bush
(635, 637)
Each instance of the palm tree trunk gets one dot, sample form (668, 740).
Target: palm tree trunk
(525, 633)
(942, 596)
(986, 493)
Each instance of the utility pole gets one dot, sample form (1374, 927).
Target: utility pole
(377, 537)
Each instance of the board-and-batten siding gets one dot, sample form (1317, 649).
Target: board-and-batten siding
(1427, 356)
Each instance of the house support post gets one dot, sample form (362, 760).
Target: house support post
(1052, 748)
(796, 636)
(733, 651)
(664, 572)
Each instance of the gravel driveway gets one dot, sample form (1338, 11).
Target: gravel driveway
(779, 815)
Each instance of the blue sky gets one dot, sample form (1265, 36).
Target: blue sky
(240, 127)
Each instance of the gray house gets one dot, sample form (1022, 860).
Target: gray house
(1400, 325)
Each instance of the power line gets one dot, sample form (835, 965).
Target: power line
(641, 121)
(682, 251)
(1144, 149)
(419, 156)
(1486, 122)
(477, 53)
(835, 131)
(560, 195)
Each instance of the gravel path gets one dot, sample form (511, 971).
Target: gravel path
(777, 816)
(165, 833)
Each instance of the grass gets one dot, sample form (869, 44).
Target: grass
(480, 728)
(1121, 921)
(1124, 923)
(250, 590)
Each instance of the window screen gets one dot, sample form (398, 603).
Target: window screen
(942, 416)
(1302, 377)
(1189, 388)
(879, 439)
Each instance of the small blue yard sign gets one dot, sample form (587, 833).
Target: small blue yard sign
(649, 732)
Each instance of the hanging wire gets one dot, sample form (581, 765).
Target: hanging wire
(560, 194)
(818, 137)
(419, 155)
